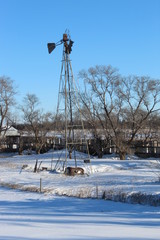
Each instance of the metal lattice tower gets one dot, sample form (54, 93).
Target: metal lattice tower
(68, 111)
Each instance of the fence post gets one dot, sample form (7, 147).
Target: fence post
(40, 184)
(97, 191)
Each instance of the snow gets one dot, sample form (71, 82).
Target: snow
(29, 214)
(108, 176)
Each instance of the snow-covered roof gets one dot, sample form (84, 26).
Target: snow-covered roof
(12, 132)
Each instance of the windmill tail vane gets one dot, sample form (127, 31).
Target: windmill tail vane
(68, 43)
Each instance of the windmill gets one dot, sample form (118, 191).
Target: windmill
(68, 108)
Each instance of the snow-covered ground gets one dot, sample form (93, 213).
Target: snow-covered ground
(128, 181)
(26, 215)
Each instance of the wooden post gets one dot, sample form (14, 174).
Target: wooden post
(40, 184)
(97, 191)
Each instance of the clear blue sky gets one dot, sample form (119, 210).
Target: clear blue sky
(122, 33)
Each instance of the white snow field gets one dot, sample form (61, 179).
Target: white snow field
(26, 214)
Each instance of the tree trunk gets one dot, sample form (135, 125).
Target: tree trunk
(38, 150)
(122, 155)
(100, 154)
(70, 154)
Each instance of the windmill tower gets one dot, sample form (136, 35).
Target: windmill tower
(68, 112)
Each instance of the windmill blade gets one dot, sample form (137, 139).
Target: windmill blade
(51, 47)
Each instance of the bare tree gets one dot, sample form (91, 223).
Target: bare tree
(7, 100)
(121, 104)
(37, 123)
